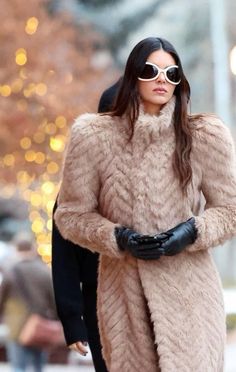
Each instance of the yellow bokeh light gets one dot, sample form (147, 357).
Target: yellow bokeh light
(27, 93)
(40, 158)
(5, 90)
(57, 143)
(25, 143)
(23, 177)
(42, 239)
(60, 121)
(31, 87)
(52, 167)
(35, 199)
(48, 187)
(30, 156)
(49, 224)
(49, 206)
(37, 226)
(41, 89)
(44, 249)
(29, 90)
(21, 57)
(46, 258)
(17, 85)
(40, 250)
(50, 128)
(31, 25)
(9, 160)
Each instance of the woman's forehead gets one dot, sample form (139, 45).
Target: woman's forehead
(161, 58)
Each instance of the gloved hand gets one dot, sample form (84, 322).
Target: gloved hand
(140, 246)
(179, 237)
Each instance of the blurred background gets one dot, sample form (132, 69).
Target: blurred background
(57, 57)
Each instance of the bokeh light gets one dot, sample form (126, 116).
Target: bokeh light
(9, 160)
(57, 143)
(41, 89)
(21, 57)
(31, 25)
(48, 187)
(25, 143)
(5, 90)
(60, 121)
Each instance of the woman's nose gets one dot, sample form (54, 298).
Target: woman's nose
(161, 77)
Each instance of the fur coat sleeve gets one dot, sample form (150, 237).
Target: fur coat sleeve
(77, 215)
(213, 146)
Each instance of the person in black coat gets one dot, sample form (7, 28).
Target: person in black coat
(74, 273)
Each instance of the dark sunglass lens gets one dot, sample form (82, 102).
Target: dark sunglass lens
(173, 74)
(148, 72)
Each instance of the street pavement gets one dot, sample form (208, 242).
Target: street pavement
(4, 367)
(230, 364)
(76, 362)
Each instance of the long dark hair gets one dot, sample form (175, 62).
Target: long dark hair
(127, 102)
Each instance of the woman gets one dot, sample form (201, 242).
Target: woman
(131, 191)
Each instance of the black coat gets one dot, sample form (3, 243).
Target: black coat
(74, 273)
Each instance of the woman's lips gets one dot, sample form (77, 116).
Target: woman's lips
(160, 90)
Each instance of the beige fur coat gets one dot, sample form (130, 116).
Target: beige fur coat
(166, 314)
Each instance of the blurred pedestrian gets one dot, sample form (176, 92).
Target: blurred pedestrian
(28, 272)
(75, 286)
(131, 191)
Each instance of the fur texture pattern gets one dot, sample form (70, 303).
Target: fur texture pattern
(167, 314)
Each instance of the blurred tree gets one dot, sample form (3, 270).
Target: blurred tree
(50, 72)
(46, 74)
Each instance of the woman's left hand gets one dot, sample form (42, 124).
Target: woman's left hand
(179, 237)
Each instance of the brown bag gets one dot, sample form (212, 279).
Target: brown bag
(41, 332)
(37, 330)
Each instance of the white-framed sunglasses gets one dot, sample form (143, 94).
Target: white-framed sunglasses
(152, 72)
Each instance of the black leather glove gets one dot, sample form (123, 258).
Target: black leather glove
(140, 246)
(179, 237)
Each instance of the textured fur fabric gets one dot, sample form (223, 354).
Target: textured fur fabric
(167, 314)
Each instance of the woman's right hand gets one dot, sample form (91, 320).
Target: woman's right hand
(80, 347)
(137, 244)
